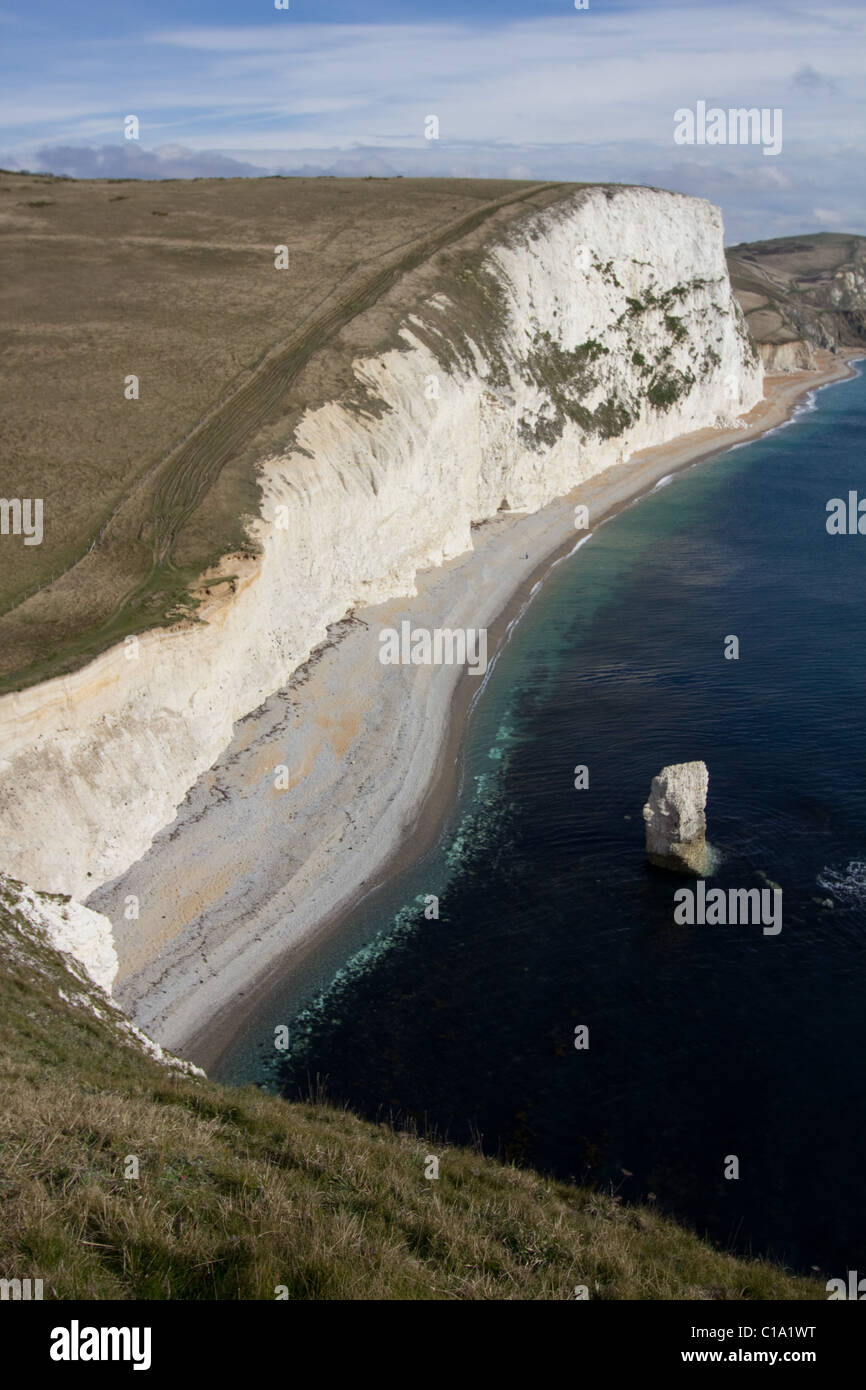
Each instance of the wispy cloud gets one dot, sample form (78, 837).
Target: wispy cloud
(573, 94)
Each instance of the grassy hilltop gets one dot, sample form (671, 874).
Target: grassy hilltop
(240, 1193)
(175, 283)
(808, 288)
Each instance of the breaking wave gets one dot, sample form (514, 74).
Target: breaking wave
(848, 884)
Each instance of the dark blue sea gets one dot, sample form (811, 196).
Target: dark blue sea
(705, 1042)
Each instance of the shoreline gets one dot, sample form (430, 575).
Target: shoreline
(241, 914)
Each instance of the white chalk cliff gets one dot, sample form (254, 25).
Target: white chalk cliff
(613, 328)
(793, 356)
(84, 943)
(67, 926)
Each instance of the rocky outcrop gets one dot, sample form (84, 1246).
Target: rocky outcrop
(602, 325)
(676, 823)
(67, 926)
(794, 356)
(71, 944)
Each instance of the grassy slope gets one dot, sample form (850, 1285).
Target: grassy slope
(240, 1192)
(175, 282)
(808, 287)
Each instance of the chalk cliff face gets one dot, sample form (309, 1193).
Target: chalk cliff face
(67, 926)
(795, 356)
(611, 328)
(80, 953)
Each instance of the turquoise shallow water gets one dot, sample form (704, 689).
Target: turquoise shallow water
(705, 1042)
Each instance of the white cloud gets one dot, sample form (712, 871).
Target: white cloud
(592, 76)
(582, 95)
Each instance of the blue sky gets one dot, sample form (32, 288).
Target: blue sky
(521, 90)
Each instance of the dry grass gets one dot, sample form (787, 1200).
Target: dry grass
(141, 496)
(240, 1193)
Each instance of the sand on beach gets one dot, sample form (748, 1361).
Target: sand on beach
(343, 777)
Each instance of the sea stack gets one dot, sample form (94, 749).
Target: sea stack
(676, 824)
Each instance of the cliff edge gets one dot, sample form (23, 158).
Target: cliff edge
(592, 328)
